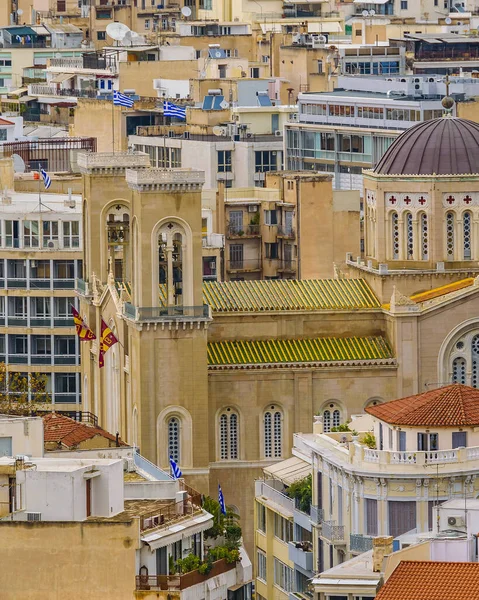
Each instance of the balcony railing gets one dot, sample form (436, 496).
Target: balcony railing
(181, 582)
(38, 89)
(213, 240)
(243, 232)
(287, 266)
(301, 554)
(286, 232)
(360, 543)
(332, 532)
(159, 313)
(317, 514)
(252, 264)
(263, 489)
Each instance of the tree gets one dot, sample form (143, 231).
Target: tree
(23, 394)
(302, 492)
(223, 525)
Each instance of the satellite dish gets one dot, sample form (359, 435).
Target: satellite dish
(224, 105)
(20, 12)
(217, 130)
(137, 39)
(127, 40)
(117, 31)
(372, 12)
(322, 39)
(448, 20)
(365, 13)
(186, 11)
(18, 163)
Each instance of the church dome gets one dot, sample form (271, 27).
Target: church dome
(445, 146)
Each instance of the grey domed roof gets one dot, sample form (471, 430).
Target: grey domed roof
(445, 146)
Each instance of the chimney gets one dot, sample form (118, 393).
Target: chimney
(382, 546)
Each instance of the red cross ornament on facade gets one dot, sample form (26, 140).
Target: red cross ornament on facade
(468, 199)
(450, 200)
(392, 200)
(407, 200)
(422, 201)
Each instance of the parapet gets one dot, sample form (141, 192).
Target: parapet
(109, 163)
(149, 180)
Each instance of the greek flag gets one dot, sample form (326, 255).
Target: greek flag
(171, 110)
(221, 500)
(28, 38)
(175, 469)
(47, 182)
(121, 100)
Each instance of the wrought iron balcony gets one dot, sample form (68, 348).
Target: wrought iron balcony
(359, 543)
(332, 532)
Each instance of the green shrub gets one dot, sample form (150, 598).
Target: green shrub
(369, 440)
(342, 427)
(302, 492)
(189, 563)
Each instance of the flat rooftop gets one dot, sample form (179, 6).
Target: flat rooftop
(26, 202)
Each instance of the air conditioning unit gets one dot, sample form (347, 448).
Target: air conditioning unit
(52, 245)
(130, 466)
(34, 516)
(455, 521)
(278, 133)
(212, 264)
(252, 208)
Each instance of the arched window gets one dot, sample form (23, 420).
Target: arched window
(475, 361)
(395, 234)
(409, 236)
(171, 243)
(118, 236)
(459, 370)
(228, 433)
(326, 421)
(174, 443)
(450, 235)
(336, 418)
(467, 235)
(273, 433)
(331, 418)
(424, 237)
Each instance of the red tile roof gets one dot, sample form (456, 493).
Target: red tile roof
(69, 433)
(5, 122)
(421, 580)
(450, 406)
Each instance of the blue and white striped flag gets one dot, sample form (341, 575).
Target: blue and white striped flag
(175, 469)
(172, 110)
(221, 500)
(121, 100)
(47, 182)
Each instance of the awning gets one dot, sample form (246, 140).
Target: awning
(274, 27)
(18, 92)
(175, 533)
(325, 27)
(61, 78)
(289, 470)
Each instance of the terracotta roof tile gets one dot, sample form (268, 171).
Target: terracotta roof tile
(5, 122)
(427, 580)
(69, 433)
(450, 406)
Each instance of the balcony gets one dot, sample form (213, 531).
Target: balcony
(301, 553)
(237, 266)
(38, 89)
(82, 287)
(41, 359)
(18, 359)
(16, 282)
(167, 313)
(181, 582)
(332, 532)
(301, 518)
(17, 321)
(265, 490)
(63, 284)
(286, 232)
(248, 231)
(287, 266)
(317, 515)
(39, 284)
(65, 359)
(359, 543)
(213, 240)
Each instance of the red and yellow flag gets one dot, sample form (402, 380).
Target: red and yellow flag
(83, 331)
(107, 340)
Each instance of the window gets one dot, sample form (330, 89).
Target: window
(224, 161)
(236, 221)
(467, 232)
(371, 509)
(65, 345)
(402, 517)
(65, 383)
(228, 435)
(341, 110)
(30, 234)
(261, 565)
(427, 442)
(62, 307)
(174, 439)
(403, 4)
(283, 528)
(40, 308)
(395, 234)
(147, 23)
(16, 269)
(3, 135)
(61, 5)
(41, 345)
(272, 250)
(283, 576)
(273, 431)
(63, 269)
(17, 306)
(101, 35)
(236, 256)
(71, 234)
(265, 160)
(459, 439)
(261, 517)
(50, 232)
(450, 235)
(459, 370)
(18, 344)
(409, 236)
(424, 237)
(270, 217)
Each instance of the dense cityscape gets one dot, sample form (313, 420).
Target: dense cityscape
(239, 299)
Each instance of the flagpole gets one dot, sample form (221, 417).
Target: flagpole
(113, 120)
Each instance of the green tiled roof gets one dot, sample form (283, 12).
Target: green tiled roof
(316, 350)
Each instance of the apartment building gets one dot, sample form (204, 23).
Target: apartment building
(348, 130)
(383, 479)
(41, 255)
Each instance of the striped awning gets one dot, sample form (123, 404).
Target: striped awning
(317, 350)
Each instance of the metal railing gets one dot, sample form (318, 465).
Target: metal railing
(360, 543)
(213, 240)
(253, 264)
(38, 89)
(181, 581)
(332, 532)
(263, 489)
(234, 231)
(286, 232)
(317, 514)
(158, 313)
